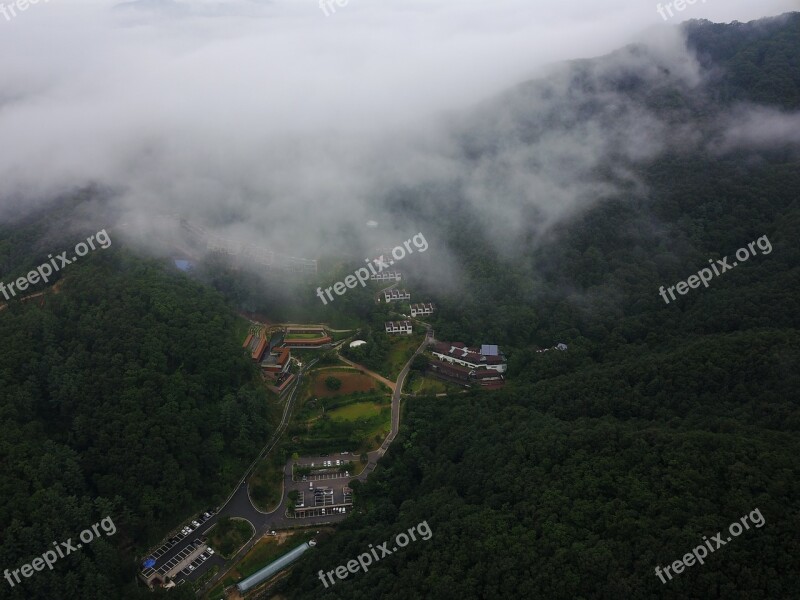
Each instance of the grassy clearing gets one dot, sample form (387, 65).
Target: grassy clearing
(348, 423)
(402, 349)
(266, 484)
(305, 336)
(419, 384)
(341, 335)
(266, 550)
(353, 412)
(229, 535)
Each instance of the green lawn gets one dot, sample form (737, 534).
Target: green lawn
(341, 335)
(416, 384)
(402, 349)
(353, 412)
(304, 336)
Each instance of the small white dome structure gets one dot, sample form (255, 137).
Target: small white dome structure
(357, 343)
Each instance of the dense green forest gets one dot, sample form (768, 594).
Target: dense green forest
(660, 425)
(126, 395)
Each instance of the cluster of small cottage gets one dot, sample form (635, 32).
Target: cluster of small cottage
(456, 363)
(394, 295)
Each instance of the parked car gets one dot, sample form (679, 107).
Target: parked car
(210, 551)
(195, 523)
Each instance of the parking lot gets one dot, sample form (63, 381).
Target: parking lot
(188, 544)
(321, 476)
(173, 562)
(204, 556)
(323, 501)
(306, 513)
(324, 467)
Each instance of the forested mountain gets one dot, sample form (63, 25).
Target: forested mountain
(125, 395)
(662, 423)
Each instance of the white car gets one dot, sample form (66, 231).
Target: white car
(210, 551)
(195, 523)
(338, 462)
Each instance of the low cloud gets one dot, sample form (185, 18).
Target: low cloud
(278, 126)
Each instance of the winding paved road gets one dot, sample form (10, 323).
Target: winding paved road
(239, 503)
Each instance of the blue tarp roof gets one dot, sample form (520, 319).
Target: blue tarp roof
(489, 350)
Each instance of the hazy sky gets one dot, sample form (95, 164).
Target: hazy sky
(272, 110)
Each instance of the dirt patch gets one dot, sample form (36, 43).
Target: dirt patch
(351, 382)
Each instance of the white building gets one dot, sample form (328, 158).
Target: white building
(395, 295)
(418, 310)
(386, 276)
(457, 353)
(398, 327)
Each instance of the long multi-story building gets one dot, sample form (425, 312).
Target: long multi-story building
(488, 357)
(485, 366)
(256, 344)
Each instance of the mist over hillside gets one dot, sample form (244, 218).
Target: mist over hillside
(567, 173)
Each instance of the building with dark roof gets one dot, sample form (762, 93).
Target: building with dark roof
(276, 362)
(458, 353)
(458, 363)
